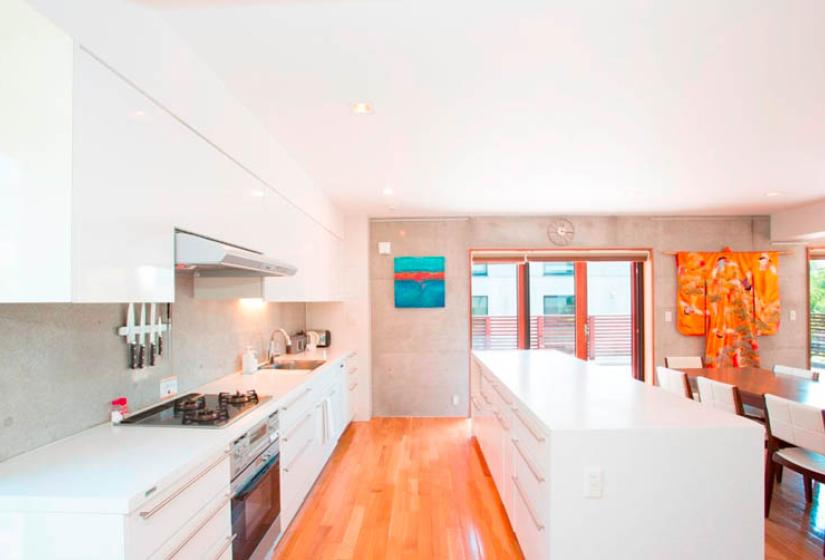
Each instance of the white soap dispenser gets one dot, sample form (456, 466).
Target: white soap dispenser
(249, 361)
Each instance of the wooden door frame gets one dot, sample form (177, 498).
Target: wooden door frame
(808, 251)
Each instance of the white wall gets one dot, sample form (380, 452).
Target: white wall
(803, 223)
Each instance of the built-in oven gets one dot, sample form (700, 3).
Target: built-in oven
(256, 491)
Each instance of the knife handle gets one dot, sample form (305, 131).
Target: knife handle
(160, 345)
(141, 356)
(151, 354)
(132, 356)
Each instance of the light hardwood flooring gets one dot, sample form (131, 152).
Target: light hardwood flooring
(416, 488)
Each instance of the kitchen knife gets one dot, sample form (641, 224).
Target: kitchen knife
(152, 333)
(130, 336)
(142, 337)
(160, 337)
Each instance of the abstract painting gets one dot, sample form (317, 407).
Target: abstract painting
(419, 281)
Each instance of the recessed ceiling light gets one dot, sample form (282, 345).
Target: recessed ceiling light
(387, 191)
(257, 193)
(773, 194)
(362, 108)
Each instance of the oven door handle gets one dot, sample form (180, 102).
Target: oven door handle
(253, 482)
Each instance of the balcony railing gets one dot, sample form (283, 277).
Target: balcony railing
(818, 337)
(610, 335)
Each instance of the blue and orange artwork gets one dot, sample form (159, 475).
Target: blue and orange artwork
(419, 281)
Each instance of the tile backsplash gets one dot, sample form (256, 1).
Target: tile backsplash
(62, 364)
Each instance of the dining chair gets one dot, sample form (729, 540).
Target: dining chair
(721, 396)
(673, 381)
(801, 427)
(688, 362)
(796, 372)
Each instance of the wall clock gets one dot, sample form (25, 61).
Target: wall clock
(561, 232)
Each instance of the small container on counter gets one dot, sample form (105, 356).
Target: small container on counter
(249, 361)
(120, 408)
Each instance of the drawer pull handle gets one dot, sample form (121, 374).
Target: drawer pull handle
(354, 385)
(182, 489)
(475, 403)
(488, 401)
(523, 496)
(296, 399)
(197, 529)
(288, 468)
(353, 370)
(501, 421)
(531, 429)
(229, 541)
(533, 468)
(291, 433)
(508, 401)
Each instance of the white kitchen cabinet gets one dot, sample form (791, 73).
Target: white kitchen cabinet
(139, 175)
(35, 156)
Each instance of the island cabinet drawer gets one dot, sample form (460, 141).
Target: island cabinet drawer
(176, 508)
(532, 441)
(532, 477)
(296, 407)
(530, 527)
(486, 387)
(207, 539)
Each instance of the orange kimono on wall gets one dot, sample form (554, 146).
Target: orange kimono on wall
(730, 297)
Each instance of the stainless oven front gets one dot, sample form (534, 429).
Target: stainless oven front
(256, 505)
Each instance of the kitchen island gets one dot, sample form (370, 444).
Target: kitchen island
(592, 465)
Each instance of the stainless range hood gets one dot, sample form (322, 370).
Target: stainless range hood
(215, 259)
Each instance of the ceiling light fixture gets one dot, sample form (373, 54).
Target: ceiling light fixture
(362, 108)
(773, 194)
(387, 191)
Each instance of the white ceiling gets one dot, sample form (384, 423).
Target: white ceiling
(532, 106)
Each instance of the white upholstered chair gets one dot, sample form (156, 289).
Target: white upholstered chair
(687, 362)
(802, 427)
(721, 396)
(796, 372)
(673, 381)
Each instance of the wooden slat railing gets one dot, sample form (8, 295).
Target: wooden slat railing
(818, 334)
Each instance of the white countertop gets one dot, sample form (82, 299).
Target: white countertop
(565, 393)
(107, 469)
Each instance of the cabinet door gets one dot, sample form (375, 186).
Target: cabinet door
(35, 156)
(140, 174)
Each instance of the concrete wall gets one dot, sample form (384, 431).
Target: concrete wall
(420, 356)
(63, 364)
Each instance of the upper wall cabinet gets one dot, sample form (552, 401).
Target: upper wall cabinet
(96, 177)
(35, 156)
(139, 175)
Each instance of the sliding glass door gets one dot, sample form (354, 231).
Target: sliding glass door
(589, 309)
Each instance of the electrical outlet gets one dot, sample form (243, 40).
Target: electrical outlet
(593, 482)
(668, 316)
(384, 248)
(455, 400)
(168, 387)
(793, 314)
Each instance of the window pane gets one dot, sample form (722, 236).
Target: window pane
(496, 294)
(553, 306)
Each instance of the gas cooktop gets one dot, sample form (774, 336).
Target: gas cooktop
(198, 410)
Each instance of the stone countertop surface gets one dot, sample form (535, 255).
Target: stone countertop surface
(108, 468)
(564, 393)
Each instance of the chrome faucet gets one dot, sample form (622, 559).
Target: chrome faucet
(272, 354)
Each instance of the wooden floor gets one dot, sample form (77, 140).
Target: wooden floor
(410, 488)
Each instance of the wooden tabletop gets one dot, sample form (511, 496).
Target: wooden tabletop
(755, 383)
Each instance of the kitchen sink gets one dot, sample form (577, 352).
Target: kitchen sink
(295, 364)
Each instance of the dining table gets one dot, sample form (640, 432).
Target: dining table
(754, 383)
